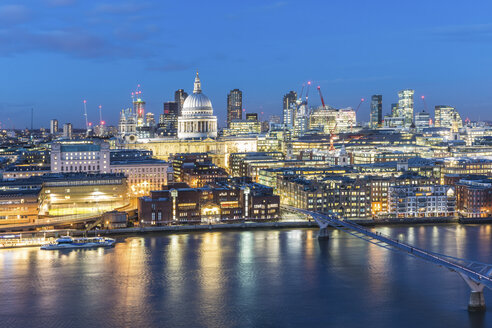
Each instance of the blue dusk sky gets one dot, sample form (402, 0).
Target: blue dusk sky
(56, 53)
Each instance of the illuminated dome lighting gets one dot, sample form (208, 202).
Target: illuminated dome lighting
(197, 120)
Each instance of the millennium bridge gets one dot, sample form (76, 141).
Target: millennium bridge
(477, 275)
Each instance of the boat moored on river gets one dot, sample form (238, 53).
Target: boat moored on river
(67, 242)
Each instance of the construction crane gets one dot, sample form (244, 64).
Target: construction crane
(358, 106)
(425, 108)
(307, 92)
(101, 122)
(321, 96)
(302, 90)
(356, 110)
(425, 103)
(305, 102)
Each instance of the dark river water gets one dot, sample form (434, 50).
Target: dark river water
(260, 278)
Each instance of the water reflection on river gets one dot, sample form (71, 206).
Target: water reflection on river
(261, 278)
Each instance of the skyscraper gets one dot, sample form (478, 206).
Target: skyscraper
(149, 117)
(139, 109)
(447, 117)
(289, 108)
(405, 106)
(54, 126)
(422, 120)
(179, 97)
(234, 106)
(67, 130)
(394, 109)
(376, 119)
(169, 120)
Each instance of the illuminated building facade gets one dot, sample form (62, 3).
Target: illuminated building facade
(237, 128)
(421, 201)
(53, 126)
(301, 121)
(226, 201)
(237, 161)
(197, 120)
(289, 108)
(379, 189)
(270, 177)
(19, 206)
(67, 131)
(466, 166)
(142, 175)
(422, 120)
(24, 171)
(405, 106)
(330, 120)
(474, 198)
(179, 161)
(447, 117)
(200, 174)
(376, 115)
(82, 193)
(349, 198)
(219, 149)
(80, 156)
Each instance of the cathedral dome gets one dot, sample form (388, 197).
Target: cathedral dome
(197, 120)
(197, 104)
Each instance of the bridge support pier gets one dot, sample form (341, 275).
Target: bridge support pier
(477, 301)
(323, 234)
(323, 230)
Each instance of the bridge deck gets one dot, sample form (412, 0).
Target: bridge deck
(477, 271)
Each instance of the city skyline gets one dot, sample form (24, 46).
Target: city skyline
(245, 164)
(54, 64)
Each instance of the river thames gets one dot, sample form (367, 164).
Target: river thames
(256, 278)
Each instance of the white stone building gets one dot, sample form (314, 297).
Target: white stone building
(197, 120)
(421, 201)
(80, 156)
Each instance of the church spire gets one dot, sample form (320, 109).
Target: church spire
(198, 85)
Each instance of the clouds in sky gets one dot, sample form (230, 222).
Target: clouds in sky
(90, 31)
(264, 47)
